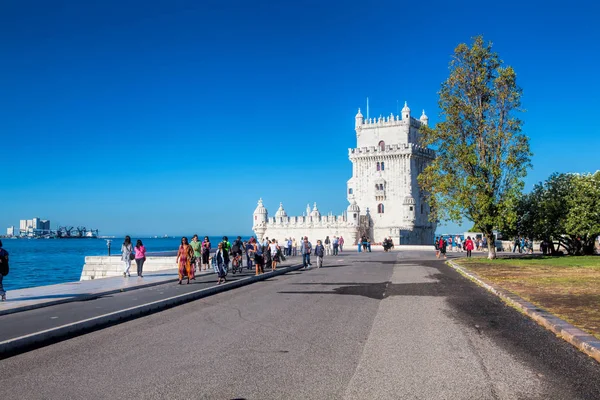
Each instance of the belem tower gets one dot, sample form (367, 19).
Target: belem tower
(384, 196)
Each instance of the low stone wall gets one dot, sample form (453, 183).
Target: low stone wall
(97, 267)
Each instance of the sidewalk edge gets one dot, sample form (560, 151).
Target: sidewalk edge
(585, 342)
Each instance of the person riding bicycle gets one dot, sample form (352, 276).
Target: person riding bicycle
(237, 249)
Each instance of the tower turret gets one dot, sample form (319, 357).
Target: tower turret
(353, 212)
(358, 119)
(406, 112)
(260, 216)
(424, 118)
(280, 215)
(315, 212)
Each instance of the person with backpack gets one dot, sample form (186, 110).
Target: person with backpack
(3, 270)
(319, 253)
(237, 250)
(226, 251)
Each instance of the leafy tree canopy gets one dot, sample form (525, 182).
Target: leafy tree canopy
(481, 154)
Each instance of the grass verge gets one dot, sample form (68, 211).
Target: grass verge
(568, 287)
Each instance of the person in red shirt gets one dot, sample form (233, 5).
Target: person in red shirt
(469, 246)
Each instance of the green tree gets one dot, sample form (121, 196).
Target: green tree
(481, 154)
(564, 210)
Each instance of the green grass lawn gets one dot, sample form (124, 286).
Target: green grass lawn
(568, 287)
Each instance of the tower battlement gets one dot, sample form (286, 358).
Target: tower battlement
(391, 120)
(394, 149)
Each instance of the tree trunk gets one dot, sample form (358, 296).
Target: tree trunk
(491, 239)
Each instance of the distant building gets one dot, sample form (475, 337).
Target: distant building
(10, 231)
(34, 227)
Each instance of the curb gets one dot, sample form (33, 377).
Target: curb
(24, 343)
(585, 342)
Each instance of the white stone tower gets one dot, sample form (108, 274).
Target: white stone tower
(385, 166)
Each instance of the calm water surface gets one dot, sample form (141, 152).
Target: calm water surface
(39, 262)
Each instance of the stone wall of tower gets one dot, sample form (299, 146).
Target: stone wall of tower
(384, 177)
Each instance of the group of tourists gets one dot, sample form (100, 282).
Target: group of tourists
(130, 253)
(196, 256)
(524, 245)
(441, 245)
(333, 246)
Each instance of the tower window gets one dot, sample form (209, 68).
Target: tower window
(350, 191)
(411, 208)
(382, 165)
(378, 166)
(381, 145)
(380, 208)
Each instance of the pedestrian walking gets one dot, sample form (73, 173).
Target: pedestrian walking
(442, 246)
(140, 257)
(205, 253)
(4, 268)
(274, 249)
(285, 247)
(197, 259)
(327, 246)
(305, 250)
(294, 247)
(341, 243)
(184, 257)
(319, 253)
(469, 246)
(336, 245)
(437, 246)
(220, 264)
(226, 251)
(127, 255)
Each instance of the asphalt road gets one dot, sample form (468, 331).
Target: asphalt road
(369, 326)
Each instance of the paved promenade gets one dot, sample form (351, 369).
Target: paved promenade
(367, 326)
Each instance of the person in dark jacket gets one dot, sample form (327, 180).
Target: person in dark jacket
(319, 253)
(3, 270)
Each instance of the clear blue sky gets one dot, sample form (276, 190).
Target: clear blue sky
(154, 117)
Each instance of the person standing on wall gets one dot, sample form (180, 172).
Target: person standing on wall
(127, 255)
(305, 250)
(140, 257)
(3, 270)
(319, 253)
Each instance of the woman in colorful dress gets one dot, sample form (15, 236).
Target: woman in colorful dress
(184, 256)
(205, 253)
(126, 255)
(140, 257)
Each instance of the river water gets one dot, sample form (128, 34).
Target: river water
(39, 262)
